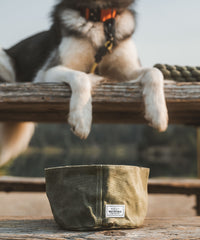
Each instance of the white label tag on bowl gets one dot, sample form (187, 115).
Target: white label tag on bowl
(115, 211)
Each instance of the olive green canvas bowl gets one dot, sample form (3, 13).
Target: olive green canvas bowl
(98, 196)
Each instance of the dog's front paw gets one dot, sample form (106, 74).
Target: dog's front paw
(81, 120)
(157, 116)
(80, 115)
(155, 105)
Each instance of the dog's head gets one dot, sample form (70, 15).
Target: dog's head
(96, 3)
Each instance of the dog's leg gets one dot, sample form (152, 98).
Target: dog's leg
(80, 114)
(128, 67)
(152, 83)
(14, 137)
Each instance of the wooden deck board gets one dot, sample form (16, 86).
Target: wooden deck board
(153, 228)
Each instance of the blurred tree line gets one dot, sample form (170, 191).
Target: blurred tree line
(172, 153)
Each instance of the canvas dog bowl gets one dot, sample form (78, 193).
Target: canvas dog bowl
(98, 196)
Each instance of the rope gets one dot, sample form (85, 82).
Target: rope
(180, 73)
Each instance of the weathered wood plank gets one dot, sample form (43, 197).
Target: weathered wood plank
(174, 186)
(153, 228)
(20, 184)
(160, 186)
(112, 103)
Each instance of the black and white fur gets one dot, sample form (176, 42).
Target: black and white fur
(66, 53)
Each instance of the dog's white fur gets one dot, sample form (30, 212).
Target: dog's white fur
(77, 57)
(6, 68)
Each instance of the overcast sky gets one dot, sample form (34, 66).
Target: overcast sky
(168, 31)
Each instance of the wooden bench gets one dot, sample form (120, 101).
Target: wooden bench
(153, 228)
(155, 186)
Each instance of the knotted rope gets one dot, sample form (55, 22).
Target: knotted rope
(180, 73)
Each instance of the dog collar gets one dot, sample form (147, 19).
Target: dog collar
(100, 15)
(107, 17)
(109, 31)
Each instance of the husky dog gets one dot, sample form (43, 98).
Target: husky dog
(89, 41)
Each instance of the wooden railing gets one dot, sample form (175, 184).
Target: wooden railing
(112, 103)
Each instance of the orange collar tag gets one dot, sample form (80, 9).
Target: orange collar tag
(103, 14)
(108, 14)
